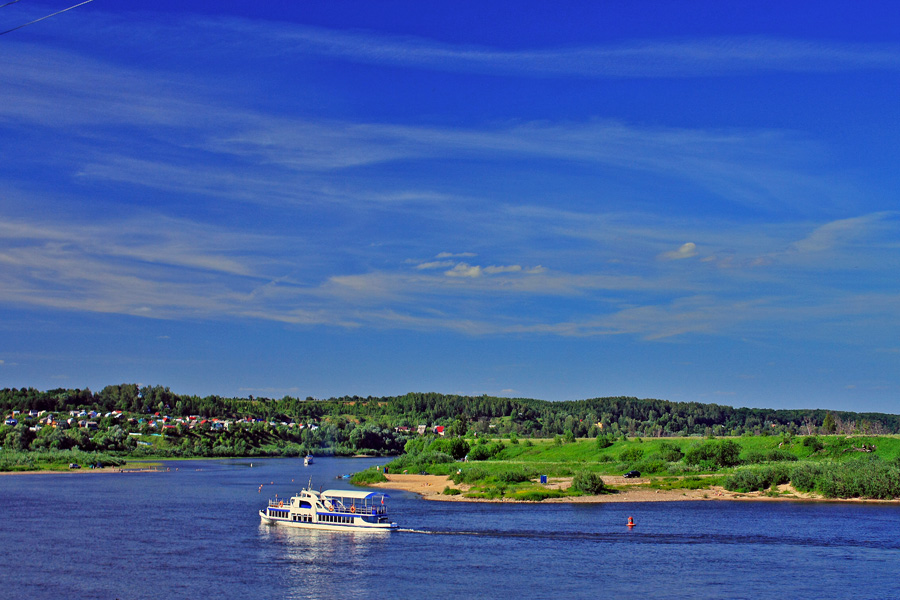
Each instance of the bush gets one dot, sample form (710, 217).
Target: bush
(514, 475)
(775, 455)
(754, 457)
(469, 475)
(669, 452)
(603, 442)
(813, 443)
(868, 477)
(681, 469)
(779, 455)
(714, 454)
(486, 451)
(630, 455)
(588, 483)
(752, 480)
(805, 476)
(746, 480)
(459, 448)
(368, 476)
(418, 462)
(537, 495)
(650, 465)
(449, 491)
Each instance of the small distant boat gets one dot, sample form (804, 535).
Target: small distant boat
(307, 460)
(334, 510)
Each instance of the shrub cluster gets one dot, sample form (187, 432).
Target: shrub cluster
(514, 475)
(714, 455)
(651, 464)
(669, 452)
(418, 462)
(630, 455)
(868, 477)
(537, 495)
(804, 476)
(774, 455)
(486, 451)
(368, 476)
(469, 475)
(813, 443)
(588, 482)
(752, 480)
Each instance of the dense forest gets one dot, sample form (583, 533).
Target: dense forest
(459, 414)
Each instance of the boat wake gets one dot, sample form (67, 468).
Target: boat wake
(630, 536)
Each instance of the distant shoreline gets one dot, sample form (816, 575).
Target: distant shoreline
(88, 471)
(430, 487)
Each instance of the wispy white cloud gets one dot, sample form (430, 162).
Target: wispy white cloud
(436, 264)
(842, 232)
(696, 57)
(686, 250)
(214, 273)
(256, 156)
(668, 58)
(464, 270)
(604, 268)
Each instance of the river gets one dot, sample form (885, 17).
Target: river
(195, 532)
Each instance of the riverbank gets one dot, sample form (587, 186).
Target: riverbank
(431, 487)
(83, 471)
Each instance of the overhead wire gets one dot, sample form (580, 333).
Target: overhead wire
(59, 12)
(8, 3)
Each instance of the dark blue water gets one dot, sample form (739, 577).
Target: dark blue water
(195, 533)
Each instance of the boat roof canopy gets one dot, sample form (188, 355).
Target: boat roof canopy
(354, 494)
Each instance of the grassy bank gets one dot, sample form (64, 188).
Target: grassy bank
(55, 460)
(832, 466)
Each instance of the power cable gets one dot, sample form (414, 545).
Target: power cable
(42, 18)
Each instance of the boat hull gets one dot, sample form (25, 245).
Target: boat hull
(267, 520)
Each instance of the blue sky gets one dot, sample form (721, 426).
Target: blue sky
(690, 201)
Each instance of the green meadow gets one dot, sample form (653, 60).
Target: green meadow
(830, 465)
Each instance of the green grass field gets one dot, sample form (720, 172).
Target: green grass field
(748, 462)
(547, 455)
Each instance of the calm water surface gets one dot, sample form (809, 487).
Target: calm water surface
(195, 533)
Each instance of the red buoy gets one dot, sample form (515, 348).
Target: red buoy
(630, 521)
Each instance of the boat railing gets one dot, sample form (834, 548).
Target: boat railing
(359, 510)
(337, 507)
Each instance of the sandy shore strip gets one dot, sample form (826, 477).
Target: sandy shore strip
(83, 470)
(430, 487)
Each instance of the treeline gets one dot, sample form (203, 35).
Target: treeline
(341, 438)
(468, 414)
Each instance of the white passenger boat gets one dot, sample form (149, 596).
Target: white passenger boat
(335, 510)
(307, 460)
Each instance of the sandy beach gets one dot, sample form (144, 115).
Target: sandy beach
(430, 487)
